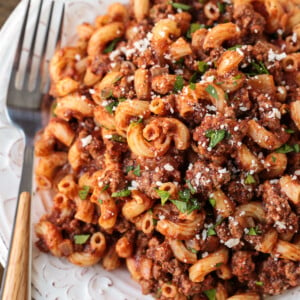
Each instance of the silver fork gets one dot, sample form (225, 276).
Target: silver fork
(23, 107)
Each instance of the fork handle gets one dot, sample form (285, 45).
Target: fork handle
(15, 286)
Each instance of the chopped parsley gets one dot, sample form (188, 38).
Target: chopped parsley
(179, 82)
(194, 27)
(256, 68)
(140, 120)
(238, 76)
(212, 201)
(211, 231)
(185, 203)
(83, 193)
(215, 136)
(111, 46)
(202, 66)
(297, 148)
(193, 79)
(259, 283)
(180, 6)
(192, 250)
(274, 158)
(100, 201)
(210, 294)
(123, 193)
(117, 79)
(212, 91)
(218, 265)
(110, 107)
(137, 170)
(249, 179)
(221, 7)
(192, 189)
(129, 168)
(289, 130)
(105, 188)
(80, 239)
(192, 86)
(285, 149)
(106, 94)
(254, 231)
(235, 47)
(164, 196)
(118, 138)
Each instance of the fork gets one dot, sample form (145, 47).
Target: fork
(23, 108)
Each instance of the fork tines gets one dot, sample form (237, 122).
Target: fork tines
(40, 32)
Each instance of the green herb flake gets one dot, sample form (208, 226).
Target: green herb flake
(202, 66)
(181, 205)
(211, 231)
(180, 6)
(259, 283)
(238, 76)
(257, 67)
(123, 193)
(100, 201)
(215, 136)
(118, 138)
(274, 158)
(193, 79)
(111, 46)
(297, 148)
(164, 196)
(129, 168)
(140, 120)
(154, 221)
(53, 107)
(105, 188)
(221, 7)
(285, 149)
(80, 239)
(192, 86)
(249, 179)
(192, 250)
(210, 294)
(254, 231)
(234, 47)
(212, 202)
(137, 170)
(83, 193)
(110, 107)
(290, 131)
(212, 91)
(179, 82)
(190, 186)
(218, 265)
(118, 78)
(194, 27)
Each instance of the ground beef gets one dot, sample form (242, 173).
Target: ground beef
(239, 192)
(242, 265)
(234, 133)
(205, 177)
(278, 275)
(278, 210)
(159, 252)
(241, 102)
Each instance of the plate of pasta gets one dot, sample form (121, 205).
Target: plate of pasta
(169, 167)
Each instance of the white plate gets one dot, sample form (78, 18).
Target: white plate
(54, 278)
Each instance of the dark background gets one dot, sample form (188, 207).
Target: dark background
(6, 7)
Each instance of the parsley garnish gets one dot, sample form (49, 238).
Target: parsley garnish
(212, 91)
(186, 204)
(215, 136)
(134, 123)
(117, 79)
(110, 107)
(202, 66)
(211, 231)
(238, 76)
(234, 47)
(297, 148)
(192, 250)
(289, 130)
(192, 189)
(100, 201)
(210, 294)
(118, 138)
(285, 149)
(194, 27)
(105, 188)
(129, 168)
(249, 179)
(212, 201)
(259, 283)
(221, 7)
(83, 193)
(123, 193)
(137, 170)
(274, 158)
(218, 265)
(164, 196)
(179, 82)
(180, 6)
(111, 46)
(106, 94)
(192, 86)
(80, 239)
(256, 68)
(254, 231)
